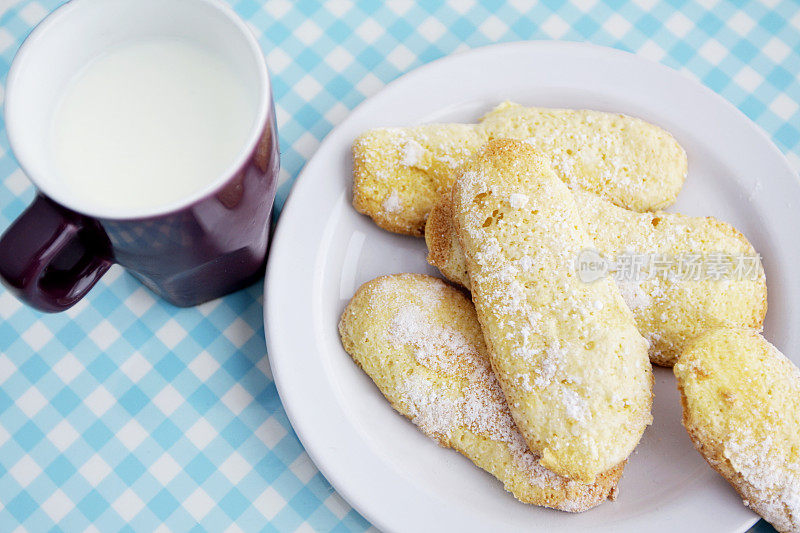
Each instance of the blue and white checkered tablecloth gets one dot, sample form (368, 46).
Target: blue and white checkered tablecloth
(128, 414)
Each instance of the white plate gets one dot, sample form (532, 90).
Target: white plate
(323, 250)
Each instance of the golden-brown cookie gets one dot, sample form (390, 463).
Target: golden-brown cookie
(741, 407)
(669, 312)
(398, 173)
(420, 342)
(567, 354)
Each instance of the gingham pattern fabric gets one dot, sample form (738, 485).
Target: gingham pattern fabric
(128, 414)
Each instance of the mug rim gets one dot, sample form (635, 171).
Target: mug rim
(98, 210)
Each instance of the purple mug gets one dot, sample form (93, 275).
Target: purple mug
(203, 246)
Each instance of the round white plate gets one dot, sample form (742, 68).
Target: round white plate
(323, 250)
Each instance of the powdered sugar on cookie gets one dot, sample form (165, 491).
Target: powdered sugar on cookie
(412, 153)
(392, 203)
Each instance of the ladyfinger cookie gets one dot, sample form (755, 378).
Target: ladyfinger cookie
(567, 354)
(741, 407)
(398, 173)
(670, 306)
(420, 342)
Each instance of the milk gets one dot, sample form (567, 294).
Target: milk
(150, 123)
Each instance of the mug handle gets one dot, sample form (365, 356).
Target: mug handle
(50, 257)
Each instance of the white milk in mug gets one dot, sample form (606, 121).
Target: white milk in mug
(149, 123)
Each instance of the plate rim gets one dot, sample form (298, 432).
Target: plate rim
(303, 179)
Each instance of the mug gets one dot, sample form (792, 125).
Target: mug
(190, 251)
